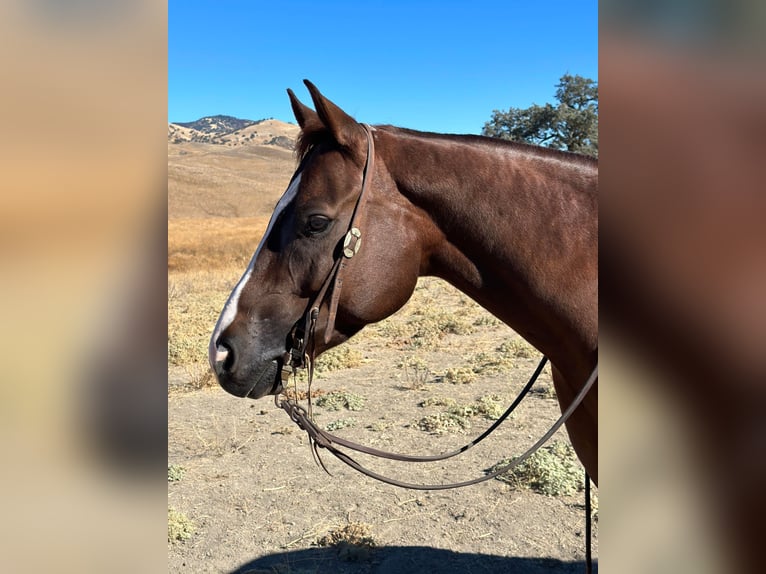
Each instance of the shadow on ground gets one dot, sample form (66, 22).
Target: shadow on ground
(402, 560)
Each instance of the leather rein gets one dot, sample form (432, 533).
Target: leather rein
(320, 438)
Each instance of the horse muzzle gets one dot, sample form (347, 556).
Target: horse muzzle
(244, 378)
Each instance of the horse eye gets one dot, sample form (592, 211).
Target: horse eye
(316, 224)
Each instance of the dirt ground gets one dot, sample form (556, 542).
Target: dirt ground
(256, 501)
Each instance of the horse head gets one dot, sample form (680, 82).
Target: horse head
(312, 276)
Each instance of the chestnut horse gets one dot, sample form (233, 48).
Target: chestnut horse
(513, 226)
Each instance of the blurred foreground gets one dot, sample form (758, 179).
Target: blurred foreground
(683, 284)
(82, 284)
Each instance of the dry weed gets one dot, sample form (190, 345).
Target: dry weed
(343, 357)
(417, 372)
(491, 406)
(200, 377)
(175, 472)
(354, 541)
(180, 527)
(456, 417)
(296, 395)
(517, 348)
(340, 424)
(438, 402)
(338, 400)
(440, 423)
(459, 375)
(553, 470)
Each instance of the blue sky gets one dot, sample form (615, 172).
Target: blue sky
(432, 65)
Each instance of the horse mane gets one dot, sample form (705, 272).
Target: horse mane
(478, 140)
(314, 135)
(309, 138)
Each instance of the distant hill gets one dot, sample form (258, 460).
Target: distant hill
(217, 125)
(230, 131)
(239, 174)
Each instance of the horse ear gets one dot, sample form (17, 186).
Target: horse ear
(307, 118)
(345, 129)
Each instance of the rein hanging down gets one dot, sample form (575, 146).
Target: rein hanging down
(320, 438)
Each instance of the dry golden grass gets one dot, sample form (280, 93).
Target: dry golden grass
(206, 180)
(195, 299)
(219, 203)
(197, 244)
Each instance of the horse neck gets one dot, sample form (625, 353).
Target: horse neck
(512, 226)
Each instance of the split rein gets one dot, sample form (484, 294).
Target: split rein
(320, 438)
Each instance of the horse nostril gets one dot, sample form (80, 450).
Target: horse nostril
(224, 357)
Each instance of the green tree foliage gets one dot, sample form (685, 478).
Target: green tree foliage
(570, 125)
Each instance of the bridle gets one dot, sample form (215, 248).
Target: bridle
(302, 352)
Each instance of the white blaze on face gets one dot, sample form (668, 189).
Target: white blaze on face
(230, 309)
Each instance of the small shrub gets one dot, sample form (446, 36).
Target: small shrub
(180, 527)
(340, 424)
(487, 320)
(438, 402)
(430, 325)
(354, 541)
(343, 357)
(298, 395)
(201, 377)
(517, 348)
(416, 371)
(457, 417)
(338, 400)
(460, 376)
(463, 411)
(380, 425)
(491, 406)
(553, 470)
(440, 423)
(487, 363)
(175, 472)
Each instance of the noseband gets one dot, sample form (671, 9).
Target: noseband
(302, 349)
